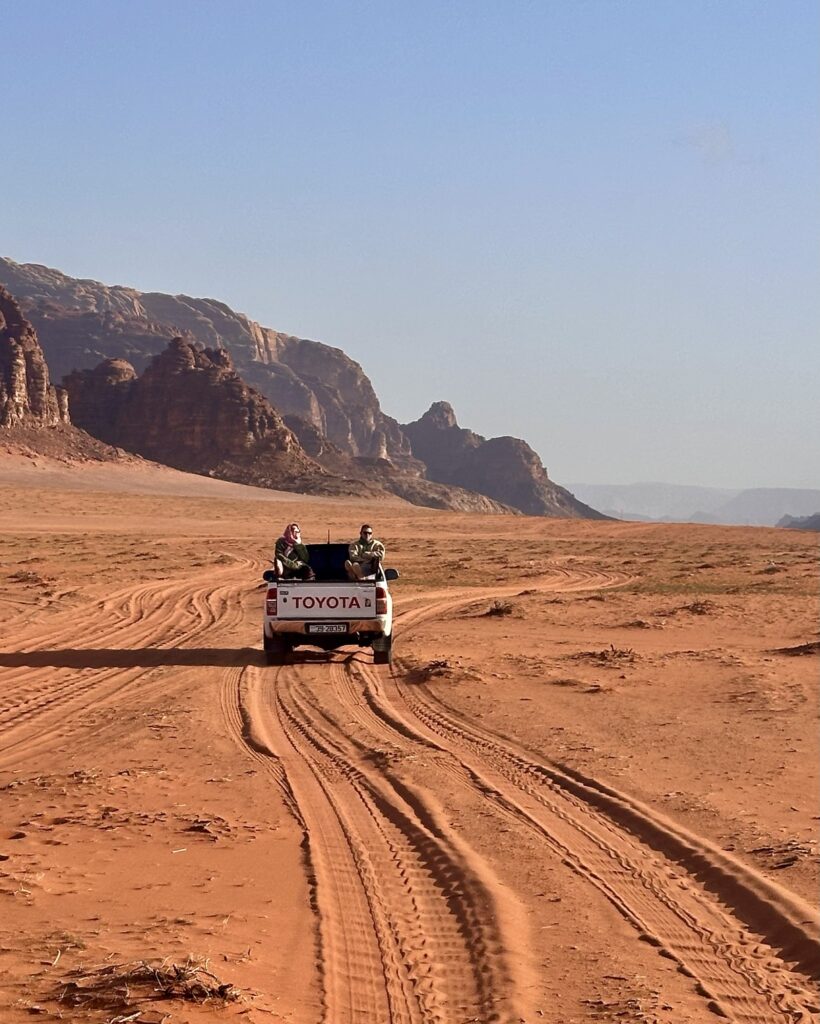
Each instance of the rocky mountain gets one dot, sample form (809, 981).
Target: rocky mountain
(416, 489)
(81, 322)
(328, 400)
(505, 468)
(27, 397)
(190, 409)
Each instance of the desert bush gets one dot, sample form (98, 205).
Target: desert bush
(121, 986)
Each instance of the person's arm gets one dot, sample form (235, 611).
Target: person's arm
(288, 563)
(378, 549)
(354, 551)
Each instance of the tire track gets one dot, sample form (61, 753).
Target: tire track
(43, 706)
(700, 916)
(408, 922)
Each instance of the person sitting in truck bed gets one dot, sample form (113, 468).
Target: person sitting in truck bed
(364, 555)
(290, 557)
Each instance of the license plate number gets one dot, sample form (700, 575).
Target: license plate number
(327, 627)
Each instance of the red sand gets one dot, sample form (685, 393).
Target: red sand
(586, 791)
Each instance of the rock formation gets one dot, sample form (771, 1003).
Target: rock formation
(81, 322)
(328, 399)
(26, 396)
(505, 468)
(190, 409)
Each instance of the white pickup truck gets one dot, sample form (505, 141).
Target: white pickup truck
(330, 611)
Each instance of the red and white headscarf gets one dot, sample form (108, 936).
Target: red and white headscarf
(292, 535)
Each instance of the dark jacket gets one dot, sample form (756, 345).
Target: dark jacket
(292, 557)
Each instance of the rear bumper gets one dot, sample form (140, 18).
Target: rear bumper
(355, 627)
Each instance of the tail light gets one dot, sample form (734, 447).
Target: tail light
(381, 601)
(271, 603)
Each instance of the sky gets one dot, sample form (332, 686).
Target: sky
(593, 224)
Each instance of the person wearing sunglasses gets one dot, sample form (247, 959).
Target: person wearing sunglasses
(364, 555)
(290, 557)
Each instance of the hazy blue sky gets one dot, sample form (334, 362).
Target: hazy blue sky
(594, 224)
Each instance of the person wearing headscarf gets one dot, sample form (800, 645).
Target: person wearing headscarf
(364, 555)
(290, 557)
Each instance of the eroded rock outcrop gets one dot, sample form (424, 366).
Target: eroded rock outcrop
(190, 409)
(81, 322)
(27, 397)
(413, 486)
(505, 468)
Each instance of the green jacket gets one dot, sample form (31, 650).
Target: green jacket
(296, 556)
(365, 550)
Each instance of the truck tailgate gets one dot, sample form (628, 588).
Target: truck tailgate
(336, 601)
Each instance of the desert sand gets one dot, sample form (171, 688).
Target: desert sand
(586, 790)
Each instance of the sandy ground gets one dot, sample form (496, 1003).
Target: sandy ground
(587, 790)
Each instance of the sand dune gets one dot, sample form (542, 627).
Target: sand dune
(586, 790)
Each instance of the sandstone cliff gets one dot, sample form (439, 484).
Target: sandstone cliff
(190, 409)
(81, 322)
(411, 486)
(505, 468)
(27, 398)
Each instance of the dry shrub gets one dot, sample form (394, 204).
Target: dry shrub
(122, 986)
(500, 608)
(700, 607)
(608, 655)
(437, 668)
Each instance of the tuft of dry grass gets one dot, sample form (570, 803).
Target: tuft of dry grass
(500, 608)
(608, 655)
(700, 607)
(121, 987)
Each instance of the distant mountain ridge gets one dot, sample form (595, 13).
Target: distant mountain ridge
(661, 502)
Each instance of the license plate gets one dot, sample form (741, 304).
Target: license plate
(327, 627)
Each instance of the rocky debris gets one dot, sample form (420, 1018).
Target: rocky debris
(27, 398)
(190, 409)
(504, 468)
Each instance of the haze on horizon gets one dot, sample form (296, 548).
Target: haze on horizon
(591, 225)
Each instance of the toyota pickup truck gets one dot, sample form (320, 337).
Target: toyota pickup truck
(330, 611)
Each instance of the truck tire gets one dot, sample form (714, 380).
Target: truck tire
(276, 650)
(383, 651)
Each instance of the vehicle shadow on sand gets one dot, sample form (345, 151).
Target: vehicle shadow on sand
(145, 657)
(154, 657)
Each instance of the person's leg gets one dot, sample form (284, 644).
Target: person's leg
(355, 570)
(279, 568)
